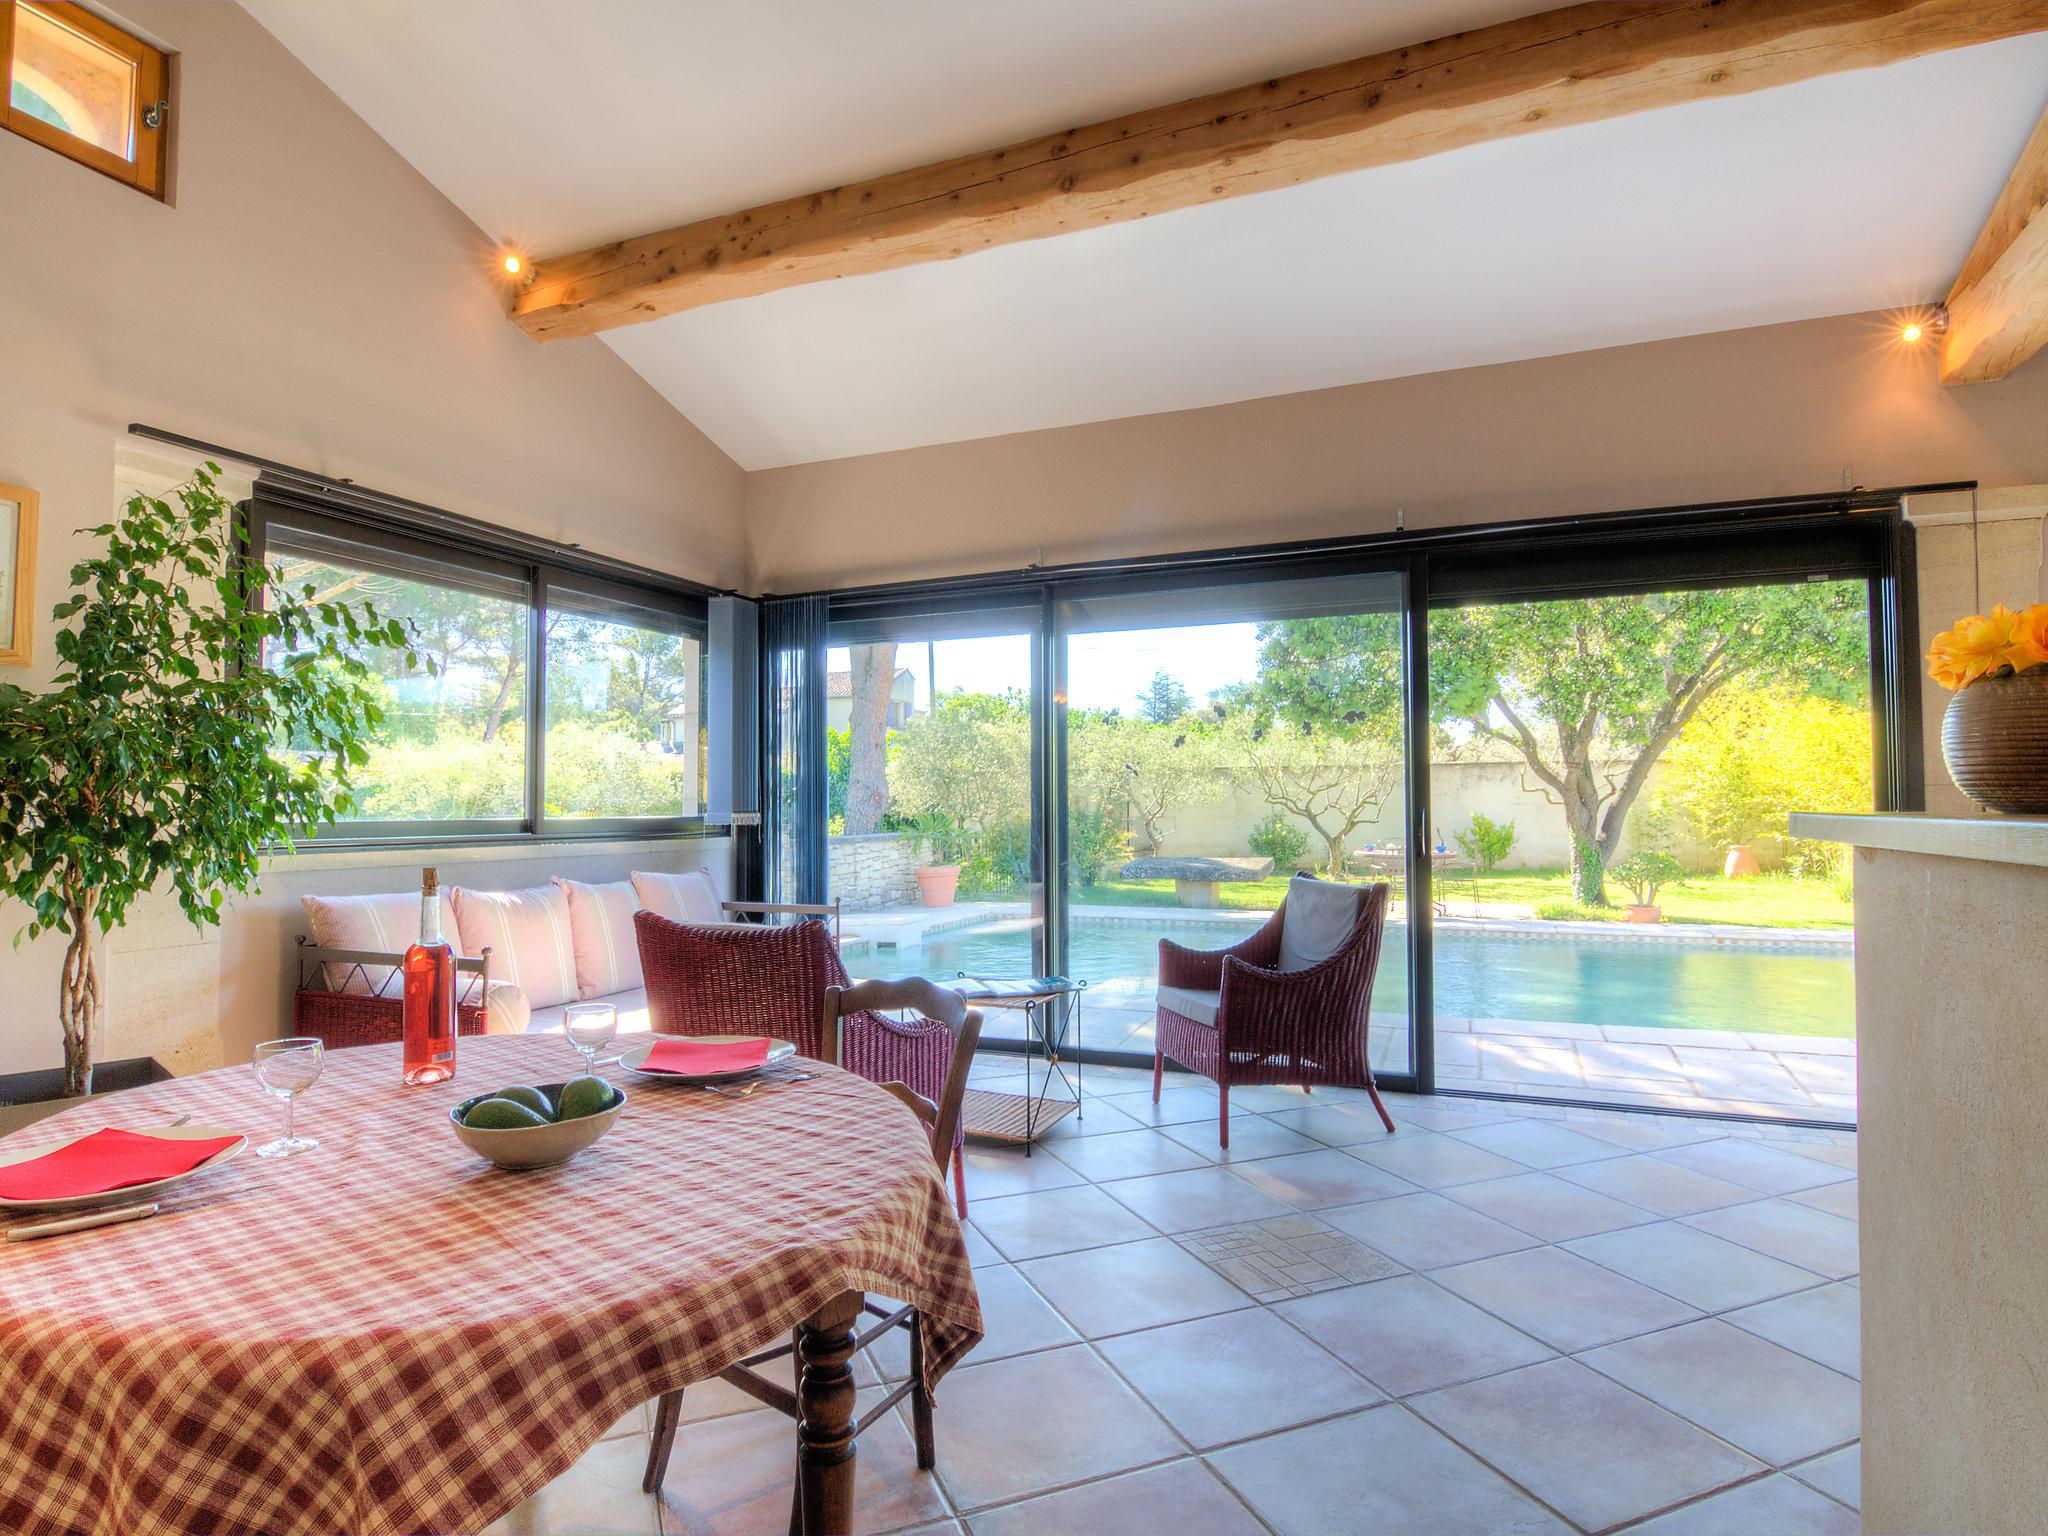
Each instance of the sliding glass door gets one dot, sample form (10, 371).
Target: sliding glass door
(1217, 741)
(933, 823)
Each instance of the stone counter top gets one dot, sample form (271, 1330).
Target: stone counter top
(1991, 839)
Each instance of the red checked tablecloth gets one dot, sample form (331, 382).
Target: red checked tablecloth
(389, 1335)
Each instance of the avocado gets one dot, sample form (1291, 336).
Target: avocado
(532, 1098)
(586, 1096)
(502, 1114)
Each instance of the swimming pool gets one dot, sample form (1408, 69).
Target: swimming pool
(1647, 983)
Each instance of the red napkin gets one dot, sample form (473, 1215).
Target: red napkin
(107, 1159)
(700, 1058)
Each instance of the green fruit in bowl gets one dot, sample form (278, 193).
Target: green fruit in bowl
(532, 1098)
(502, 1114)
(586, 1096)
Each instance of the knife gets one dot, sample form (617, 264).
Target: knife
(111, 1216)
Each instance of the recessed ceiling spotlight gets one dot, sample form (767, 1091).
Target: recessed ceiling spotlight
(1933, 323)
(514, 263)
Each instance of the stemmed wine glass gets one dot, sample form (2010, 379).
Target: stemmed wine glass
(287, 1068)
(590, 1028)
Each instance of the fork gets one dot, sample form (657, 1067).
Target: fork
(749, 1089)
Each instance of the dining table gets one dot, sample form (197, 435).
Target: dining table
(387, 1334)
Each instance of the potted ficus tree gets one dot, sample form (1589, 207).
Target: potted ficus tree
(165, 749)
(1644, 873)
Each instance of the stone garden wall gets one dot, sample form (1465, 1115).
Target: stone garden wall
(874, 870)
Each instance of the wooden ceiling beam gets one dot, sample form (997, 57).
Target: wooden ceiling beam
(1582, 64)
(1998, 309)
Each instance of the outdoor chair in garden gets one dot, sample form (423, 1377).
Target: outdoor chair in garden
(1290, 1005)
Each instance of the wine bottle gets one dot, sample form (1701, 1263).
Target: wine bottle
(429, 1013)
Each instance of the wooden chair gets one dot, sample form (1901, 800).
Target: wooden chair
(941, 1121)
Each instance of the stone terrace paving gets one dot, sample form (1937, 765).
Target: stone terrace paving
(1720, 1071)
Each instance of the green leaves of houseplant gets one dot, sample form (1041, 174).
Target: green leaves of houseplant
(201, 715)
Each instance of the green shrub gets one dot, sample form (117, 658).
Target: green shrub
(1646, 871)
(1563, 911)
(1486, 842)
(1097, 846)
(1280, 840)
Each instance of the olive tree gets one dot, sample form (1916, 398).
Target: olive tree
(155, 753)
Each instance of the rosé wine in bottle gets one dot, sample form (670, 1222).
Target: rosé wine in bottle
(429, 1013)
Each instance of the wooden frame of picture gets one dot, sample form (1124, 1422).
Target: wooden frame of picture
(17, 574)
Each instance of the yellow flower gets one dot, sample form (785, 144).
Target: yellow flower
(2029, 646)
(1976, 647)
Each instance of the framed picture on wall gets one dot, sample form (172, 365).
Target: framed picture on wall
(17, 573)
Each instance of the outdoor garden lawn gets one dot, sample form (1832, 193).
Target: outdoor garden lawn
(1766, 901)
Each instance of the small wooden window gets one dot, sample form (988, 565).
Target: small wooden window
(83, 87)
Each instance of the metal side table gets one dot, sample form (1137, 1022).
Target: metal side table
(1051, 1006)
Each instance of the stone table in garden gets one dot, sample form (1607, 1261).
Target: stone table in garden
(1197, 882)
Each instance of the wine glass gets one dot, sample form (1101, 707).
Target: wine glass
(590, 1028)
(287, 1068)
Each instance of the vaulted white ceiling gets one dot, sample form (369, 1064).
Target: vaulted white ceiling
(557, 129)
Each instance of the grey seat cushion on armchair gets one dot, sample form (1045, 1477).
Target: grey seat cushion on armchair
(1317, 919)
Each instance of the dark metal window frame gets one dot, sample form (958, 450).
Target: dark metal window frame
(423, 539)
(1856, 534)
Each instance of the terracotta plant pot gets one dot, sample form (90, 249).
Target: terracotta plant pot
(937, 884)
(1741, 862)
(1644, 914)
(1995, 741)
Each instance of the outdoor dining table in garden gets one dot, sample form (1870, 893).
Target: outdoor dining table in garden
(387, 1334)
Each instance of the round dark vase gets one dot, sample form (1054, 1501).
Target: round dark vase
(1995, 741)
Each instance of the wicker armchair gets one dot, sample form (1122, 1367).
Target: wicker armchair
(747, 979)
(356, 997)
(1247, 1015)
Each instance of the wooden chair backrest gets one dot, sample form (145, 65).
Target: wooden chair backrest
(939, 1004)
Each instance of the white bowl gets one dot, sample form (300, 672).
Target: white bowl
(535, 1146)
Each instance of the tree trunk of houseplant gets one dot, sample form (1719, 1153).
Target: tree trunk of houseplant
(78, 1005)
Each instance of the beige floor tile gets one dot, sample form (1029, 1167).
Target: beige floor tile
(1128, 1155)
(1656, 1185)
(1839, 1475)
(1841, 1155)
(1036, 1422)
(1176, 1106)
(1562, 1299)
(1824, 1324)
(993, 1172)
(733, 1476)
(1645, 1133)
(1426, 1231)
(1226, 1378)
(1334, 1125)
(1307, 1181)
(1798, 1234)
(1546, 1206)
(1436, 1161)
(1251, 1137)
(1835, 1199)
(1775, 1504)
(1766, 1169)
(1129, 1286)
(1590, 1449)
(1408, 1335)
(1778, 1406)
(1098, 1117)
(1200, 1197)
(1016, 1320)
(1056, 1221)
(1539, 1143)
(1375, 1473)
(1183, 1498)
(1696, 1267)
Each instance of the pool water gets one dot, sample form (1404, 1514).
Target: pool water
(1645, 983)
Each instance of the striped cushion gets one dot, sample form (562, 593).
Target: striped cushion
(386, 923)
(684, 898)
(601, 929)
(529, 938)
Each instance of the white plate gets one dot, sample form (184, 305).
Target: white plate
(128, 1193)
(633, 1055)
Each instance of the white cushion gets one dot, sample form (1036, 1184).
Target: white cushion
(632, 1006)
(686, 898)
(528, 936)
(1316, 920)
(601, 928)
(387, 923)
(1190, 1004)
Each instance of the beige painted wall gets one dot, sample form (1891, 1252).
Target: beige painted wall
(1777, 410)
(309, 297)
